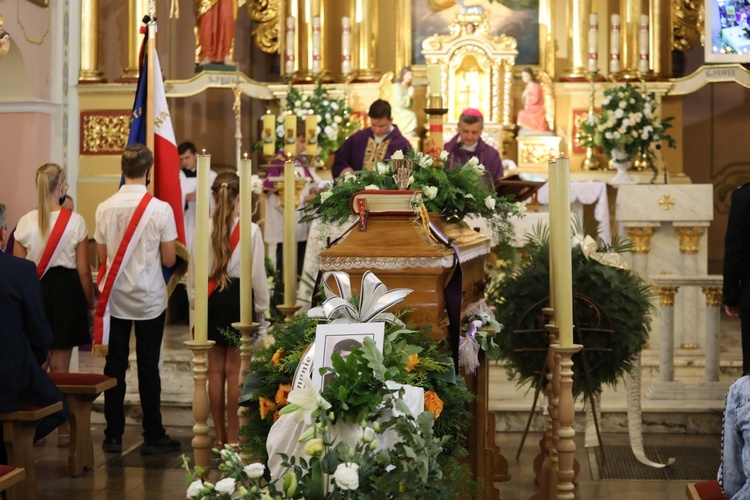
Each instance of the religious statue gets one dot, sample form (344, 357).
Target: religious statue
(215, 29)
(532, 119)
(402, 97)
(4, 40)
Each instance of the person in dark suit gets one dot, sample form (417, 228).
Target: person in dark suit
(737, 267)
(25, 340)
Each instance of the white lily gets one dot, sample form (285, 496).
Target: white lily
(308, 399)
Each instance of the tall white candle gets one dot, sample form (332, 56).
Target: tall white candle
(614, 45)
(346, 46)
(269, 134)
(643, 48)
(246, 241)
(290, 46)
(553, 181)
(316, 45)
(433, 76)
(290, 237)
(202, 239)
(593, 42)
(563, 265)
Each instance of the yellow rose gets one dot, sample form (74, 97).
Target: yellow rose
(266, 406)
(282, 394)
(433, 403)
(276, 359)
(413, 360)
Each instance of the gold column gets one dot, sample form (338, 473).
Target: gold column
(136, 10)
(690, 238)
(364, 15)
(90, 43)
(577, 20)
(303, 12)
(659, 13)
(630, 20)
(641, 238)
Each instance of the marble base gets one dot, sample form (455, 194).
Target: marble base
(678, 390)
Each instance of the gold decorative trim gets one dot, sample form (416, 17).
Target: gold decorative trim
(666, 202)
(689, 346)
(666, 295)
(641, 238)
(104, 132)
(266, 14)
(690, 238)
(687, 21)
(713, 296)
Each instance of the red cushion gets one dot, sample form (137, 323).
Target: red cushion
(710, 490)
(6, 469)
(77, 378)
(22, 406)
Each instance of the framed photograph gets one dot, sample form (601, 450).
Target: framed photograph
(727, 31)
(341, 339)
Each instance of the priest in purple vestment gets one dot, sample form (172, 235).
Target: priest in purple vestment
(468, 143)
(376, 143)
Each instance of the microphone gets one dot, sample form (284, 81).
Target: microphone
(661, 153)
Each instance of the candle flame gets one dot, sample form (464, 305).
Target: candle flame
(204, 151)
(246, 156)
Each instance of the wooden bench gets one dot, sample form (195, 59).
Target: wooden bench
(81, 389)
(18, 435)
(705, 490)
(10, 476)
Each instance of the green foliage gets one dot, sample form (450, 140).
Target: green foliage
(625, 299)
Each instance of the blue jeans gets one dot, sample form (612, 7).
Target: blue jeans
(734, 472)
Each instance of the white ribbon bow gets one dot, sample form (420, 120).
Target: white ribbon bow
(589, 248)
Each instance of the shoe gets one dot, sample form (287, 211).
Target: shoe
(162, 445)
(112, 445)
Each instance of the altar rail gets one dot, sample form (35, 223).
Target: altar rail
(667, 286)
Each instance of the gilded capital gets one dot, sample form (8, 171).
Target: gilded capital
(641, 238)
(666, 295)
(713, 296)
(690, 238)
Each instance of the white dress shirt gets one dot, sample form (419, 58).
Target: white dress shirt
(28, 235)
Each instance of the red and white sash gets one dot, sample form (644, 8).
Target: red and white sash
(108, 277)
(58, 239)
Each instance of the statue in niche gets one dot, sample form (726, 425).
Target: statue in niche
(532, 119)
(4, 40)
(402, 98)
(215, 31)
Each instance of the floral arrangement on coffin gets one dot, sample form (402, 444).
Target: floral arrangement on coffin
(627, 125)
(334, 118)
(599, 277)
(452, 193)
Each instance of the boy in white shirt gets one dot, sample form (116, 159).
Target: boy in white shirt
(138, 296)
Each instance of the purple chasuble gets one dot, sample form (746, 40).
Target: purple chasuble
(486, 154)
(352, 152)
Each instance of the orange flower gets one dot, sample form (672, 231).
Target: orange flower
(266, 405)
(282, 394)
(433, 403)
(413, 360)
(276, 416)
(276, 359)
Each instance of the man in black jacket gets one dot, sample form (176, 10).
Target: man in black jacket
(737, 267)
(25, 339)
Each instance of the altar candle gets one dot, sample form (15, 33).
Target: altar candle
(552, 183)
(346, 46)
(433, 76)
(593, 42)
(290, 133)
(316, 45)
(200, 249)
(290, 46)
(269, 134)
(290, 236)
(643, 48)
(311, 136)
(614, 45)
(246, 241)
(563, 267)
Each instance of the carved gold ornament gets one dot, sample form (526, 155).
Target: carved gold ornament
(266, 14)
(536, 154)
(687, 23)
(641, 238)
(713, 296)
(666, 295)
(104, 133)
(690, 238)
(666, 202)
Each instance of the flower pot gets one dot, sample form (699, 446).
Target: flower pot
(622, 162)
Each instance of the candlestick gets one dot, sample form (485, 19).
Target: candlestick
(433, 76)
(316, 45)
(290, 239)
(246, 241)
(593, 60)
(553, 224)
(290, 133)
(202, 239)
(614, 45)
(290, 47)
(311, 136)
(346, 46)
(560, 236)
(269, 134)
(643, 47)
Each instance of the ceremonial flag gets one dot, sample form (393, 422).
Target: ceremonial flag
(150, 96)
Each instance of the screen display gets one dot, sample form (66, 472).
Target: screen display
(727, 31)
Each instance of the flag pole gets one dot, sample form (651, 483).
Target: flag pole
(151, 51)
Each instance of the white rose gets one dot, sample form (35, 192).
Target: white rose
(607, 135)
(305, 98)
(632, 101)
(619, 113)
(605, 101)
(280, 119)
(479, 168)
(255, 471)
(411, 180)
(334, 106)
(368, 433)
(616, 134)
(328, 116)
(622, 104)
(298, 103)
(473, 161)
(489, 202)
(226, 485)
(381, 168)
(634, 133)
(337, 119)
(430, 192)
(347, 476)
(626, 123)
(332, 133)
(318, 118)
(644, 136)
(425, 161)
(280, 130)
(398, 155)
(325, 103)
(349, 177)
(195, 488)
(318, 130)
(444, 155)
(469, 196)
(325, 195)
(372, 186)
